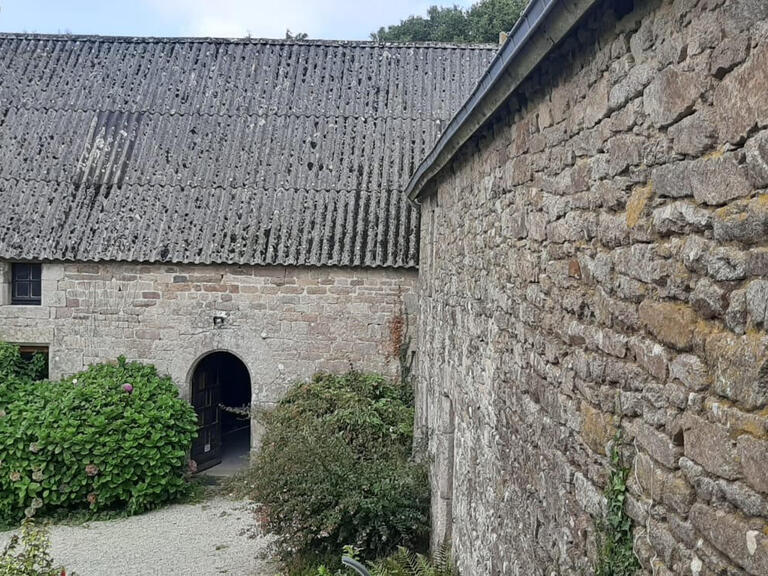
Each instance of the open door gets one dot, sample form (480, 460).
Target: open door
(206, 396)
(223, 435)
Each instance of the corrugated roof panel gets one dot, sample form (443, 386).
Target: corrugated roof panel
(211, 151)
(241, 151)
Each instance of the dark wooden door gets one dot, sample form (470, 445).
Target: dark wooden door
(206, 396)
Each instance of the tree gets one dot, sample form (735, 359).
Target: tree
(298, 36)
(489, 17)
(481, 23)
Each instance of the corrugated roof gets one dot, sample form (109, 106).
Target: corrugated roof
(220, 151)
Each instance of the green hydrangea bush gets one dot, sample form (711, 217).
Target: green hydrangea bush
(111, 437)
(335, 469)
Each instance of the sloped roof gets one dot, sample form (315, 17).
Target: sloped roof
(220, 151)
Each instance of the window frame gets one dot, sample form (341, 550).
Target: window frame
(32, 279)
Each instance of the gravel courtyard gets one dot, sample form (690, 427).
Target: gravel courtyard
(218, 536)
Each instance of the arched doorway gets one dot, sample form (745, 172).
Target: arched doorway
(224, 437)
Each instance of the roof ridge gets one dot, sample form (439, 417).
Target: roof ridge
(245, 40)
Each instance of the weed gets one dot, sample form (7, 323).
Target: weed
(616, 553)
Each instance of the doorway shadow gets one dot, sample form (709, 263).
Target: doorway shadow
(221, 385)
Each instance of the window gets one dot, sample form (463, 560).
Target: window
(37, 356)
(26, 284)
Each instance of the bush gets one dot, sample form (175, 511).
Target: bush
(335, 469)
(114, 436)
(28, 555)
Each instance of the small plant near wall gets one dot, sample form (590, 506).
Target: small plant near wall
(616, 555)
(407, 563)
(402, 562)
(28, 555)
(400, 339)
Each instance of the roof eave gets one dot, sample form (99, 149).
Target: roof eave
(543, 24)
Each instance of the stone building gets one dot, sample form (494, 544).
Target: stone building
(594, 252)
(231, 211)
(594, 258)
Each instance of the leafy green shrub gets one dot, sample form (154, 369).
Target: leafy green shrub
(335, 469)
(28, 555)
(113, 436)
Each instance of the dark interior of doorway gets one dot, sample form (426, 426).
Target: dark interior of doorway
(223, 444)
(235, 429)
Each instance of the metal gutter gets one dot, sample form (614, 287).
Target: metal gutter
(543, 24)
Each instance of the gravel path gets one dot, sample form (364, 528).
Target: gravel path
(218, 536)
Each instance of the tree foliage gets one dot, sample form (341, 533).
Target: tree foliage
(297, 36)
(481, 23)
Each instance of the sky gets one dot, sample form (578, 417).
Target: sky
(327, 19)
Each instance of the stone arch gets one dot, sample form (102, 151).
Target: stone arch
(201, 356)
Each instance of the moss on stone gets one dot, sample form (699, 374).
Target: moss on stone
(637, 203)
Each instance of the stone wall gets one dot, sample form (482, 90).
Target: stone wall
(5, 284)
(283, 323)
(594, 260)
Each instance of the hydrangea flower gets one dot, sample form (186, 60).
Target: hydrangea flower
(91, 470)
(128, 388)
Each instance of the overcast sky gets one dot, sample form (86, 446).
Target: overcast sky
(331, 19)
